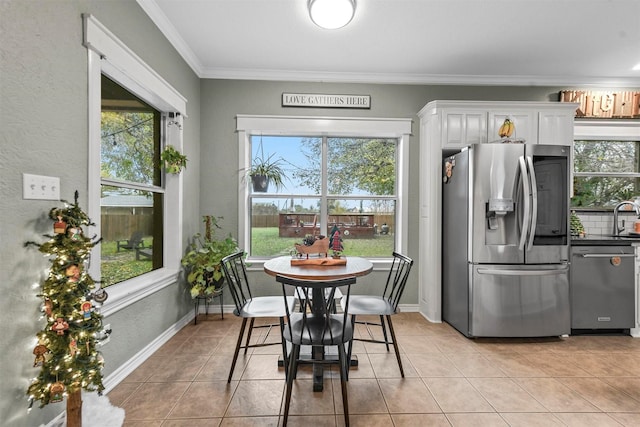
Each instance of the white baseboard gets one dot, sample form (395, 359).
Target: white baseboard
(408, 308)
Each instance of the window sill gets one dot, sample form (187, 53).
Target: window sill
(129, 292)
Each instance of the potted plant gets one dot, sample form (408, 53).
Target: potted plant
(173, 160)
(202, 262)
(265, 170)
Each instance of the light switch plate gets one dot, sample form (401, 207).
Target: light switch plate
(39, 187)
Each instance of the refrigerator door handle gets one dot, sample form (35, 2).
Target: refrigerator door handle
(524, 229)
(498, 272)
(534, 202)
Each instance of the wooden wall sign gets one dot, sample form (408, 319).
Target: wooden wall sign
(623, 105)
(316, 100)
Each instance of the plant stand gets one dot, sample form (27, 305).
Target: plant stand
(207, 300)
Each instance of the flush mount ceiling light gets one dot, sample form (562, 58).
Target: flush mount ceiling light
(331, 14)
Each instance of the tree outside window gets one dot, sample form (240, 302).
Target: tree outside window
(131, 185)
(605, 173)
(345, 182)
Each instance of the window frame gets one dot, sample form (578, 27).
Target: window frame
(312, 126)
(110, 56)
(604, 130)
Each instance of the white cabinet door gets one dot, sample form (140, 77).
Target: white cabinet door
(555, 127)
(524, 121)
(462, 128)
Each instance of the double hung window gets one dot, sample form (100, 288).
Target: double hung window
(350, 178)
(136, 207)
(131, 185)
(606, 164)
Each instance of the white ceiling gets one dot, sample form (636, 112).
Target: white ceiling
(512, 42)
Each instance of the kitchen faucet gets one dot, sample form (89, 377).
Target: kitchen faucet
(616, 228)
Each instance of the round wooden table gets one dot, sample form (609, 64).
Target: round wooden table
(355, 266)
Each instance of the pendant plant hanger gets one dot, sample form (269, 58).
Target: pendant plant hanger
(265, 170)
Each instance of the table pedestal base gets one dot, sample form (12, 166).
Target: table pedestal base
(318, 368)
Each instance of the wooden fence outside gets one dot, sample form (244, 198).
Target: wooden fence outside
(273, 220)
(120, 227)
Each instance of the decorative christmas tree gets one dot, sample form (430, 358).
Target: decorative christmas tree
(577, 229)
(335, 242)
(66, 349)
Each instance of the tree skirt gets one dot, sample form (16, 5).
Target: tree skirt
(97, 411)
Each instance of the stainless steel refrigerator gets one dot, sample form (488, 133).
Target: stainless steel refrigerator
(506, 240)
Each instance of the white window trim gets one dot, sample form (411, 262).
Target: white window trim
(614, 130)
(110, 56)
(603, 130)
(399, 128)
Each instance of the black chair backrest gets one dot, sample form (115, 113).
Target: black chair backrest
(397, 279)
(235, 273)
(317, 323)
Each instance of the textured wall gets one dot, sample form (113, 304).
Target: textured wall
(43, 121)
(222, 100)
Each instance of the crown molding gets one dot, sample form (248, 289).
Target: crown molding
(151, 8)
(417, 79)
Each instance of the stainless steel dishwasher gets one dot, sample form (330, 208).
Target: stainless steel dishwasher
(602, 287)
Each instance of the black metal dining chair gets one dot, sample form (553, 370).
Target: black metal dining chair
(250, 308)
(384, 305)
(317, 325)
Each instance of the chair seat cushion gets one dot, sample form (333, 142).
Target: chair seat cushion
(313, 330)
(368, 304)
(269, 306)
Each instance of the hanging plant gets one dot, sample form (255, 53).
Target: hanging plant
(173, 160)
(266, 169)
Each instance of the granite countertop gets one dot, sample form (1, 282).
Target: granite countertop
(605, 240)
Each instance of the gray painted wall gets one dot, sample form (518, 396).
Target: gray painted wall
(222, 100)
(43, 117)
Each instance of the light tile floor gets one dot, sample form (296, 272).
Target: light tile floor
(449, 381)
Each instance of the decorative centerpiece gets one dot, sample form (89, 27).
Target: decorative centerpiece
(318, 245)
(312, 245)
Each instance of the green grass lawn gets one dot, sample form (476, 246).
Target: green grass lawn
(119, 266)
(265, 242)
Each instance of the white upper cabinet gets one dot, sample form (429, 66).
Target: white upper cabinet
(555, 126)
(460, 128)
(463, 123)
